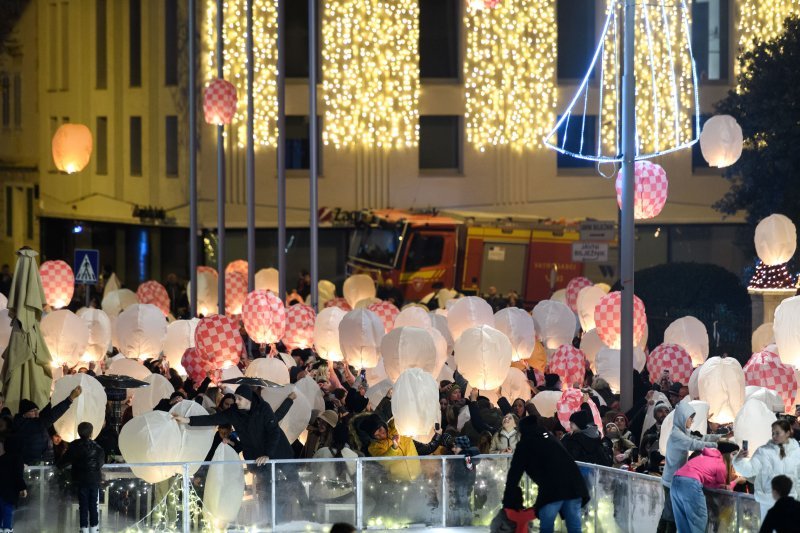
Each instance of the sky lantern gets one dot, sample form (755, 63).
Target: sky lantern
(469, 312)
(651, 187)
(326, 334)
(415, 403)
(721, 141)
(358, 287)
(299, 332)
(408, 347)
(66, 336)
(360, 335)
(690, 334)
(518, 326)
(72, 147)
(721, 383)
(264, 317)
(58, 283)
(219, 102)
(141, 329)
(607, 318)
(483, 356)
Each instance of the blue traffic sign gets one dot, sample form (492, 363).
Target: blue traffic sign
(87, 266)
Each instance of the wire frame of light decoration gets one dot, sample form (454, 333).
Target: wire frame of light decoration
(761, 20)
(510, 73)
(667, 99)
(775, 277)
(265, 55)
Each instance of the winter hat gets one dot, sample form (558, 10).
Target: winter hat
(725, 446)
(581, 419)
(329, 417)
(463, 442)
(355, 403)
(675, 389)
(371, 424)
(551, 381)
(26, 405)
(245, 392)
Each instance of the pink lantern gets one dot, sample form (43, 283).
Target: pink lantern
(672, 358)
(341, 303)
(608, 317)
(387, 312)
(58, 282)
(152, 292)
(264, 317)
(299, 333)
(761, 358)
(651, 190)
(776, 377)
(574, 287)
(235, 292)
(196, 366)
(217, 340)
(570, 364)
(570, 402)
(239, 265)
(219, 102)
(480, 5)
(209, 270)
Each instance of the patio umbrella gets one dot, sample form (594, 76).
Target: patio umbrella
(26, 372)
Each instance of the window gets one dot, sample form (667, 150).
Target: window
(17, 101)
(135, 29)
(425, 251)
(5, 87)
(136, 146)
(298, 147)
(101, 134)
(296, 43)
(698, 161)
(575, 20)
(101, 42)
(9, 212)
(171, 145)
(29, 213)
(710, 21)
(440, 142)
(577, 132)
(171, 42)
(439, 24)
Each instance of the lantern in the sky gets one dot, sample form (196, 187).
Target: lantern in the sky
(415, 403)
(770, 398)
(518, 326)
(387, 312)
(90, 406)
(129, 367)
(269, 368)
(264, 317)
(141, 329)
(268, 279)
(439, 323)
(235, 292)
(787, 330)
(546, 402)
(146, 398)
(326, 334)
(588, 299)
(774, 376)
(152, 292)
(570, 364)
(469, 312)
(360, 335)
(58, 283)
(117, 301)
(72, 147)
(483, 356)
(408, 347)
(570, 402)
(608, 365)
(413, 316)
(690, 334)
(217, 339)
(650, 189)
(153, 437)
(299, 331)
(207, 291)
(775, 239)
(721, 383)
(358, 287)
(753, 423)
(763, 336)
(66, 336)
(196, 366)
(219, 102)
(673, 359)
(574, 287)
(721, 141)
(179, 338)
(590, 346)
(608, 319)
(516, 385)
(99, 333)
(555, 323)
(339, 303)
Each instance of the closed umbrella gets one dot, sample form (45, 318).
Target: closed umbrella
(26, 372)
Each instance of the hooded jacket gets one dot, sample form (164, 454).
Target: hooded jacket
(765, 464)
(681, 443)
(708, 468)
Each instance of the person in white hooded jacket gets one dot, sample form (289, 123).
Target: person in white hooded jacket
(779, 456)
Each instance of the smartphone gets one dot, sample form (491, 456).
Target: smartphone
(744, 445)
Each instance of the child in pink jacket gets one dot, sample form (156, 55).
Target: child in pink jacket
(688, 501)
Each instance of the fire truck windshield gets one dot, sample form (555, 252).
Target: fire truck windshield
(375, 245)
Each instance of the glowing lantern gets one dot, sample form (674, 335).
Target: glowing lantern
(152, 292)
(546, 402)
(72, 147)
(691, 335)
(207, 291)
(414, 316)
(762, 336)
(387, 312)
(774, 376)
(764, 357)
(590, 346)
(326, 291)
(217, 339)
(309, 388)
(559, 296)
(699, 424)
(570, 365)
(268, 279)
(468, 313)
(90, 406)
(480, 5)
(153, 437)
(441, 350)
(787, 330)
(415, 403)
(264, 317)
(196, 441)
(128, 367)
(570, 402)
(366, 303)
(141, 329)
(775, 240)
(180, 337)
(608, 319)
(518, 326)
(339, 303)
(515, 386)
(299, 415)
(694, 386)
(439, 323)
(357, 288)
(555, 323)
(574, 287)
(753, 424)
(145, 398)
(235, 292)
(117, 301)
(588, 299)
(770, 398)
(721, 383)
(58, 283)
(270, 368)
(408, 347)
(651, 189)
(721, 141)
(360, 335)
(672, 358)
(299, 332)
(66, 336)
(99, 333)
(608, 365)
(219, 102)
(326, 334)
(223, 493)
(196, 366)
(483, 356)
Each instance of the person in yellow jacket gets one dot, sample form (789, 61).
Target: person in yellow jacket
(387, 442)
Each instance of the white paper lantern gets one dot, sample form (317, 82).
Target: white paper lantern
(666, 431)
(468, 313)
(207, 293)
(590, 346)
(267, 279)
(483, 356)
(309, 388)
(377, 392)
(141, 330)
(326, 291)
(146, 398)
(701, 412)
(377, 374)
(326, 333)
(153, 437)
(721, 383)
(691, 335)
(515, 385)
(196, 441)
(128, 367)
(72, 147)
(224, 488)
(770, 398)
(439, 322)
(117, 301)
(694, 386)
(360, 335)
(608, 362)
(775, 240)
(66, 336)
(415, 403)
(5, 330)
(441, 350)
(179, 338)
(90, 406)
(753, 424)
(721, 141)
(299, 415)
(787, 330)
(762, 336)
(588, 298)
(414, 316)
(518, 326)
(408, 347)
(357, 288)
(555, 323)
(560, 296)
(546, 402)
(99, 333)
(270, 368)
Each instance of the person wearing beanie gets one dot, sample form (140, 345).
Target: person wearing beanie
(30, 437)
(86, 458)
(552, 382)
(166, 404)
(584, 442)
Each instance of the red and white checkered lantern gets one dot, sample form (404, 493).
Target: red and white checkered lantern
(651, 188)
(299, 331)
(761, 358)
(219, 102)
(608, 318)
(570, 402)
(570, 364)
(235, 292)
(152, 292)
(776, 377)
(217, 339)
(58, 282)
(208, 269)
(196, 366)
(264, 317)
(574, 287)
(239, 265)
(341, 303)
(673, 358)
(387, 312)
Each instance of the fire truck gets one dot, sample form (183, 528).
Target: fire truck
(422, 251)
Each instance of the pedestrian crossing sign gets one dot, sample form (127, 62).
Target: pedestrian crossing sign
(87, 266)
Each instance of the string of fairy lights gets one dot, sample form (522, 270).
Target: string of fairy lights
(761, 20)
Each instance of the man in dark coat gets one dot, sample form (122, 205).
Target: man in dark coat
(584, 442)
(782, 518)
(86, 458)
(30, 437)
(561, 486)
